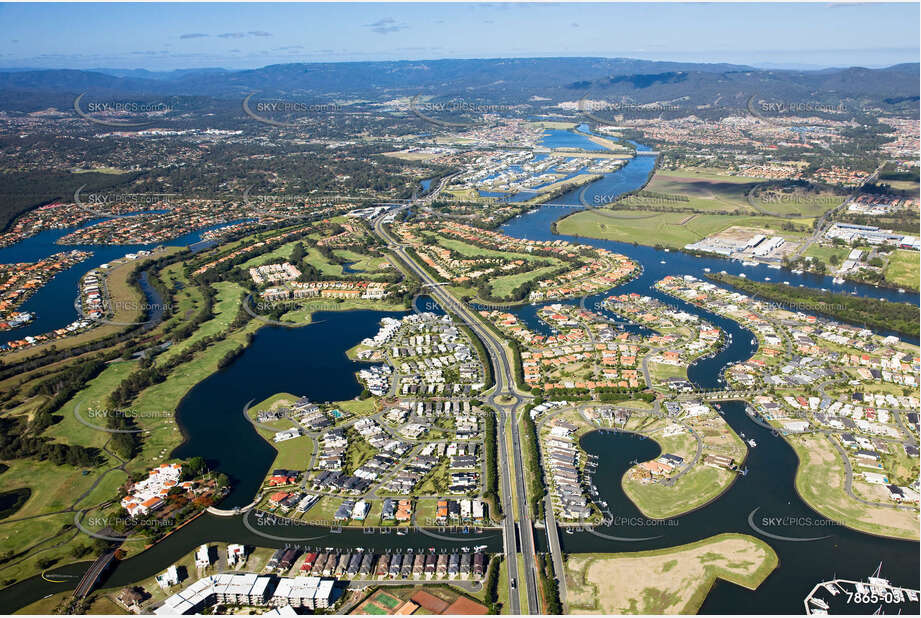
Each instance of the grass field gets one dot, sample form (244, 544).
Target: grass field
(697, 486)
(501, 286)
(669, 229)
(904, 269)
(675, 580)
(708, 191)
(820, 479)
(703, 192)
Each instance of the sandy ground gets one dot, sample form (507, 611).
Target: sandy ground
(672, 582)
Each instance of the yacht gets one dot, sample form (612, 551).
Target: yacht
(774, 266)
(661, 261)
(819, 602)
(752, 443)
(706, 270)
(837, 280)
(767, 278)
(831, 588)
(786, 283)
(742, 275)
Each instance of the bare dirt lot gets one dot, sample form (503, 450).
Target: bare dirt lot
(670, 581)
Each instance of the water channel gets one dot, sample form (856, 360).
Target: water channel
(311, 361)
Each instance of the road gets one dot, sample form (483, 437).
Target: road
(820, 225)
(508, 402)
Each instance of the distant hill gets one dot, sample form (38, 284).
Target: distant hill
(514, 80)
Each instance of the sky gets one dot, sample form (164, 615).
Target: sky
(239, 36)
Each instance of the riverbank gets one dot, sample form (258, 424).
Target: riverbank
(866, 312)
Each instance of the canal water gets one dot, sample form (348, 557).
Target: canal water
(767, 490)
(311, 361)
(305, 361)
(53, 304)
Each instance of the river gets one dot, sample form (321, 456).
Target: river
(311, 361)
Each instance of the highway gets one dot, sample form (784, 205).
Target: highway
(507, 402)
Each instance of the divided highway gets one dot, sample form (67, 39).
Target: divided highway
(508, 402)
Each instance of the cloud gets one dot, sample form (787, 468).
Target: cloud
(231, 35)
(574, 25)
(259, 33)
(193, 35)
(386, 26)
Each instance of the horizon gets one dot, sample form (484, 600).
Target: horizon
(166, 37)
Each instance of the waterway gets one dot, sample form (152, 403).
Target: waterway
(311, 361)
(53, 304)
(769, 484)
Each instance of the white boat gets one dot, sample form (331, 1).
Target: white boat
(767, 278)
(901, 290)
(668, 251)
(786, 283)
(831, 588)
(819, 602)
(749, 263)
(816, 611)
(661, 261)
(912, 595)
(797, 271)
(774, 266)
(837, 280)
(752, 443)
(742, 275)
(706, 270)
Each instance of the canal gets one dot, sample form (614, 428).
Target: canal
(311, 361)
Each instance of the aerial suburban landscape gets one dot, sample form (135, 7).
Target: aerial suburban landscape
(460, 308)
